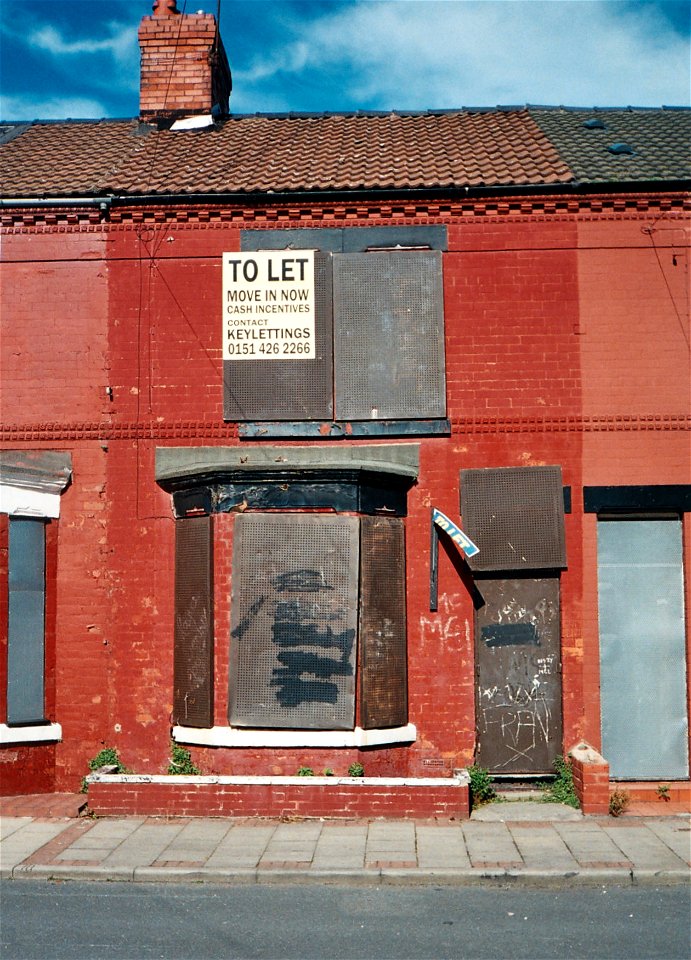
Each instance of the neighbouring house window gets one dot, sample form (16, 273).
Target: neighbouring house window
(26, 621)
(31, 486)
(379, 344)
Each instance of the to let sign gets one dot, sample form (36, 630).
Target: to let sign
(268, 305)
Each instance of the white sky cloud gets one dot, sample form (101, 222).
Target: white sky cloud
(119, 44)
(82, 56)
(49, 108)
(441, 54)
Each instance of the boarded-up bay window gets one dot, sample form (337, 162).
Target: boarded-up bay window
(318, 629)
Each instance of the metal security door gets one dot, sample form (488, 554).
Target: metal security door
(642, 649)
(519, 716)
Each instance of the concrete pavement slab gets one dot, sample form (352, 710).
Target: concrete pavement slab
(144, 845)
(197, 840)
(10, 825)
(25, 841)
(94, 842)
(391, 843)
(532, 810)
(645, 850)
(675, 834)
(541, 847)
(490, 844)
(342, 847)
(241, 848)
(590, 846)
(441, 848)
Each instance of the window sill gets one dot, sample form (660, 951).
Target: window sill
(241, 737)
(336, 430)
(45, 733)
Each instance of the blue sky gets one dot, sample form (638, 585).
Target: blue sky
(80, 58)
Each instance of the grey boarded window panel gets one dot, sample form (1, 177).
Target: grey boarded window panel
(516, 517)
(26, 625)
(294, 621)
(194, 630)
(642, 648)
(287, 389)
(389, 336)
(383, 652)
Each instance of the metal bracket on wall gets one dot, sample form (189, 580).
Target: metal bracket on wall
(433, 564)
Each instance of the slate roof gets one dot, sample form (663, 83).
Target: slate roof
(475, 148)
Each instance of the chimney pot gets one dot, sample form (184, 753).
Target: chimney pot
(165, 8)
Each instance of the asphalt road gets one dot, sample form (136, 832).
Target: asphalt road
(52, 921)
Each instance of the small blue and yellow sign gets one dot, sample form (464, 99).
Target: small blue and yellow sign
(456, 534)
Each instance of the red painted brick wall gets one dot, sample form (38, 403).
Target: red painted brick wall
(556, 325)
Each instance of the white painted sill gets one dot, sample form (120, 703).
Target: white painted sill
(46, 733)
(241, 737)
(459, 778)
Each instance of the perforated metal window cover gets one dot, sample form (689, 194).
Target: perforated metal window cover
(294, 621)
(389, 336)
(516, 517)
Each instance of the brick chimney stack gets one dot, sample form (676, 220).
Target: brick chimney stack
(184, 68)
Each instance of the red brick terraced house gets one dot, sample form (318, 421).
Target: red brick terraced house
(245, 359)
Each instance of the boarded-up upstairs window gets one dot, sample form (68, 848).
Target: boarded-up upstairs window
(378, 345)
(516, 517)
(316, 598)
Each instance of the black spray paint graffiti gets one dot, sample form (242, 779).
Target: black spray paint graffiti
(295, 627)
(298, 624)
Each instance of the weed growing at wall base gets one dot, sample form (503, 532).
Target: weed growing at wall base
(108, 757)
(562, 790)
(618, 802)
(181, 762)
(481, 788)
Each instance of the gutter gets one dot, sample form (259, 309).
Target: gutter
(574, 187)
(399, 193)
(103, 203)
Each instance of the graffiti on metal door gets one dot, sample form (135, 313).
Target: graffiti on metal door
(519, 675)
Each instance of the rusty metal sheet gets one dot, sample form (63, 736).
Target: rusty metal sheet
(287, 389)
(383, 651)
(193, 687)
(389, 335)
(294, 621)
(518, 699)
(516, 517)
